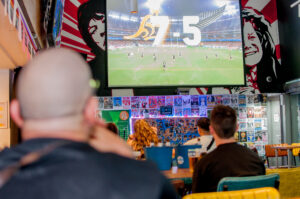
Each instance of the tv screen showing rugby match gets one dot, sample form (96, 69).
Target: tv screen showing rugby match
(174, 43)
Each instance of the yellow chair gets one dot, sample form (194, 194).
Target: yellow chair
(289, 181)
(296, 152)
(259, 193)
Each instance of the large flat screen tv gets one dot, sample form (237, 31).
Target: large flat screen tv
(174, 43)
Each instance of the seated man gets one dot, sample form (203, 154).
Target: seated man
(206, 139)
(56, 113)
(229, 159)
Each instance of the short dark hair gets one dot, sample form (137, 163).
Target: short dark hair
(223, 120)
(113, 128)
(203, 123)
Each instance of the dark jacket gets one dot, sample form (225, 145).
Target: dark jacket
(227, 160)
(77, 171)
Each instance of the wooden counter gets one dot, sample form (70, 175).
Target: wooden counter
(181, 173)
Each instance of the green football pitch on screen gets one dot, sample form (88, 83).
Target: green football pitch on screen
(166, 66)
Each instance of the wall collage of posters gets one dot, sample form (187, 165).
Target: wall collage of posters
(181, 125)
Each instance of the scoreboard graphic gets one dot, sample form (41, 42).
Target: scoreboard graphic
(168, 43)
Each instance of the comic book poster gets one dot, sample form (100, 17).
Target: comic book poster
(195, 101)
(153, 112)
(209, 113)
(195, 111)
(242, 136)
(258, 136)
(186, 101)
(126, 102)
(169, 100)
(100, 103)
(202, 101)
(257, 124)
(108, 103)
(161, 101)
(226, 100)
(250, 136)
(218, 99)
(258, 100)
(264, 136)
(242, 125)
(263, 112)
(210, 101)
(257, 112)
(178, 101)
(203, 112)
(234, 100)
(144, 113)
(250, 112)
(236, 136)
(264, 124)
(117, 102)
(135, 113)
(187, 112)
(264, 100)
(250, 100)
(153, 102)
(143, 102)
(242, 113)
(242, 101)
(250, 124)
(135, 102)
(178, 111)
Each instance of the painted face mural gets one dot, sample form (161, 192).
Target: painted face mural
(252, 49)
(91, 25)
(97, 30)
(264, 73)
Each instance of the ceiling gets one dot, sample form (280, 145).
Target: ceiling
(11, 52)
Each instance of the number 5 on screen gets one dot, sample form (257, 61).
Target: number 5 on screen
(187, 28)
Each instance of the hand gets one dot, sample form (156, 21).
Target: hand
(105, 141)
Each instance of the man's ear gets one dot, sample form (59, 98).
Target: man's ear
(15, 113)
(198, 130)
(211, 129)
(90, 113)
(237, 127)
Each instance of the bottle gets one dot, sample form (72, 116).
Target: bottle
(159, 144)
(174, 166)
(167, 142)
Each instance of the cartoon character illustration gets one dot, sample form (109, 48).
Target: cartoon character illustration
(91, 17)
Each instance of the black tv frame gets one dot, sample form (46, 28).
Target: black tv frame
(175, 86)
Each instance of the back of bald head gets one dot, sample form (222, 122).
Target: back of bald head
(55, 83)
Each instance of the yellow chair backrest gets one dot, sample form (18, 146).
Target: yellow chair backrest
(259, 193)
(296, 151)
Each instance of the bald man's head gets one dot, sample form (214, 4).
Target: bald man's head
(54, 84)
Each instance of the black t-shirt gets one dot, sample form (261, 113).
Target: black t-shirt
(77, 171)
(227, 160)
